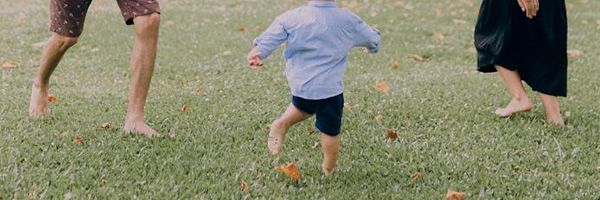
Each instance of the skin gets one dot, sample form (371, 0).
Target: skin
(143, 57)
(520, 102)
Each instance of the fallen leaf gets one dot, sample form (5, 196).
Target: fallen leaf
(316, 145)
(459, 21)
(169, 23)
(569, 6)
(453, 195)
(574, 53)
(382, 86)
(378, 117)
(39, 44)
(416, 57)
(391, 135)
(437, 36)
(290, 170)
(311, 129)
(347, 107)
(105, 125)
(416, 176)
(197, 91)
(10, 64)
(244, 186)
(171, 133)
(226, 53)
(185, 108)
(242, 29)
(395, 64)
(78, 139)
(52, 98)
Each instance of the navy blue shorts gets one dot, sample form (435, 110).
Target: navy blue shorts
(327, 111)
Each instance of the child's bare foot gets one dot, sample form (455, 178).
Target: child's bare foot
(515, 106)
(327, 170)
(139, 128)
(38, 105)
(276, 137)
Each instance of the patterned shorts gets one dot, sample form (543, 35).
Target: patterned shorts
(67, 16)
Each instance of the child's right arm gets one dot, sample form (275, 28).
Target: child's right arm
(270, 39)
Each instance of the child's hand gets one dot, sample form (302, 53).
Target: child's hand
(254, 58)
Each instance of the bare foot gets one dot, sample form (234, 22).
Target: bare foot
(140, 128)
(276, 137)
(38, 105)
(515, 106)
(327, 171)
(556, 120)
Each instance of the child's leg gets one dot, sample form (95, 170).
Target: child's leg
(552, 109)
(279, 127)
(519, 102)
(331, 148)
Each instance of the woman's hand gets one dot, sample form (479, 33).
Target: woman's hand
(530, 7)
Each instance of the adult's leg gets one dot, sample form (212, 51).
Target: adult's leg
(143, 57)
(56, 46)
(331, 148)
(520, 102)
(279, 127)
(552, 109)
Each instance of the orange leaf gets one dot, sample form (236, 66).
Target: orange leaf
(197, 91)
(569, 6)
(416, 176)
(290, 170)
(347, 107)
(10, 64)
(105, 125)
(52, 98)
(382, 86)
(171, 133)
(311, 129)
(395, 64)
(185, 108)
(391, 135)
(242, 29)
(453, 195)
(416, 57)
(437, 36)
(574, 53)
(78, 139)
(244, 186)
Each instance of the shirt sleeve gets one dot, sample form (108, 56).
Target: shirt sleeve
(271, 38)
(367, 36)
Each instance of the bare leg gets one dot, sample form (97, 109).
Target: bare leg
(331, 148)
(520, 101)
(55, 48)
(279, 127)
(552, 109)
(143, 57)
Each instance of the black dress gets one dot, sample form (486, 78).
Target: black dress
(536, 48)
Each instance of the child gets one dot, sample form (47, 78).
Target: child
(319, 37)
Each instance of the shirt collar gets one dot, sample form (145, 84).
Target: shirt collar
(322, 3)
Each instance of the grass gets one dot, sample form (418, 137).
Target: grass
(441, 108)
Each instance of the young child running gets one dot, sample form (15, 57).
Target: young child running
(319, 36)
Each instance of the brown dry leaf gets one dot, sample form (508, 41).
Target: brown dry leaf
(169, 23)
(311, 129)
(382, 86)
(185, 108)
(78, 139)
(416, 176)
(416, 57)
(316, 145)
(459, 21)
(105, 125)
(347, 107)
(52, 98)
(290, 170)
(244, 186)
(378, 117)
(395, 64)
(574, 53)
(10, 64)
(391, 135)
(242, 29)
(197, 91)
(454, 195)
(570, 6)
(171, 133)
(438, 36)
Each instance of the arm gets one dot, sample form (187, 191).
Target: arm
(267, 42)
(367, 36)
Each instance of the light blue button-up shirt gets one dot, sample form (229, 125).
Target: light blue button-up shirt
(319, 37)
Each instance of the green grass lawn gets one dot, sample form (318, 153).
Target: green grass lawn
(441, 108)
